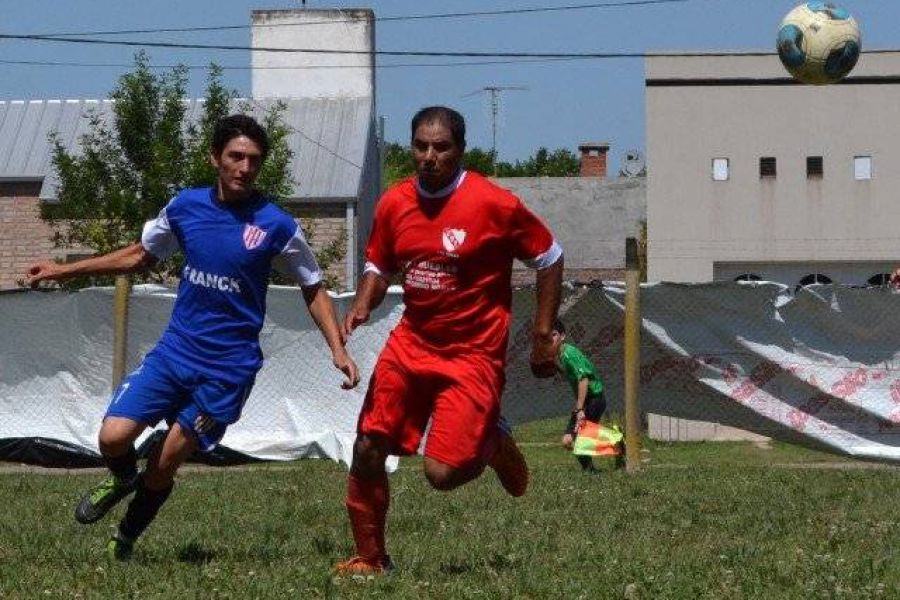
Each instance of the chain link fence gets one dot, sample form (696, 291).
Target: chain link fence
(816, 366)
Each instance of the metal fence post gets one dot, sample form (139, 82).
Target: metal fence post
(120, 328)
(632, 357)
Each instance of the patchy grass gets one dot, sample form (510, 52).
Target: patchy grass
(723, 520)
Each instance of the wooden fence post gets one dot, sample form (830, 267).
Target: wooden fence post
(632, 357)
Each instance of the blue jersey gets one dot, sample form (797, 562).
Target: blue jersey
(228, 250)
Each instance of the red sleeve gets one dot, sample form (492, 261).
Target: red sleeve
(531, 238)
(379, 250)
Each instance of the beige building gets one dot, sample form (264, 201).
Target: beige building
(753, 175)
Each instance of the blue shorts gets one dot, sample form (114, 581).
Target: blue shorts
(162, 389)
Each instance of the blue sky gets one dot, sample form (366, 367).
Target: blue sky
(566, 102)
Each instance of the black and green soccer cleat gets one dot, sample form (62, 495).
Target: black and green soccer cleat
(119, 550)
(100, 499)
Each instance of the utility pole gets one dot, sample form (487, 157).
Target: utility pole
(495, 91)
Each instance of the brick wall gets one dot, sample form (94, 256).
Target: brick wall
(329, 222)
(24, 237)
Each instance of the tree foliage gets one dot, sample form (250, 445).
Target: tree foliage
(398, 163)
(130, 165)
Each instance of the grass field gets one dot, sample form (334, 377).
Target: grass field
(700, 521)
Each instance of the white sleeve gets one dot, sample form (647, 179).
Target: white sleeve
(373, 268)
(299, 262)
(158, 238)
(546, 259)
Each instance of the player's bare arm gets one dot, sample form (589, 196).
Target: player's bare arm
(895, 278)
(549, 291)
(321, 309)
(580, 400)
(369, 296)
(129, 259)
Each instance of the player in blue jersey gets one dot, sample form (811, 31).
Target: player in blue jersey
(202, 370)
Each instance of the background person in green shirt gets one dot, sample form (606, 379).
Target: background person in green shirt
(587, 386)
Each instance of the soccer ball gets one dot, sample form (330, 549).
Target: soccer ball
(819, 42)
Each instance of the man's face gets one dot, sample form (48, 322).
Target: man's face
(238, 165)
(436, 155)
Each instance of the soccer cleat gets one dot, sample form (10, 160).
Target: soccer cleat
(508, 462)
(100, 499)
(359, 565)
(119, 550)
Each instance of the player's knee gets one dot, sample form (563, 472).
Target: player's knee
(369, 454)
(441, 477)
(113, 441)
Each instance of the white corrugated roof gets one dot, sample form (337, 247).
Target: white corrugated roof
(329, 138)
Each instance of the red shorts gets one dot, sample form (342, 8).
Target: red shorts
(412, 382)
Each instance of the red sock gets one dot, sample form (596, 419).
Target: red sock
(367, 505)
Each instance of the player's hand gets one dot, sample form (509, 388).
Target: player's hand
(41, 271)
(543, 356)
(579, 420)
(345, 364)
(355, 317)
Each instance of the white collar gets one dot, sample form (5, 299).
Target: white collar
(443, 192)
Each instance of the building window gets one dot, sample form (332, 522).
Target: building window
(862, 167)
(879, 280)
(20, 189)
(767, 167)
(748, 277)
(720, 169)
(814, 167)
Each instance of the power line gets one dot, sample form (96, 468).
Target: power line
(466, 54)
(50, 63)
(420, 53)
(456, 15)
(462, 54)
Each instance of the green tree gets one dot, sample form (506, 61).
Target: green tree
(130, 166)
(559, 163)
(398, 163)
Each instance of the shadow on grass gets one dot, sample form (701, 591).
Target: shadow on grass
(455, 568)
(323, 546)
(497, 562)
(194, 553)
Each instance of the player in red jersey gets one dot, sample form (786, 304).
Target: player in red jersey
(452, 236)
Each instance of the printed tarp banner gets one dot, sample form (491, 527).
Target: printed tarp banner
(813, 365)
(56, 369)
(816, 365)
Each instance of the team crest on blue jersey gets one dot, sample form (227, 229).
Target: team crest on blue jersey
(253, 236)
(453, 239)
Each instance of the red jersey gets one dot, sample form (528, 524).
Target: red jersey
(455, 255)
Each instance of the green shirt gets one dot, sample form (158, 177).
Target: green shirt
(576, 366)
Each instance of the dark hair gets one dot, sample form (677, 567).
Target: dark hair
(559, 327)
(230, 127)
(449, 117)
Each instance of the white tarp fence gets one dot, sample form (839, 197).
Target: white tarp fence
(818, 367)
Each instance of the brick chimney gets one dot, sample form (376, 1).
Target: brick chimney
(593, 159)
